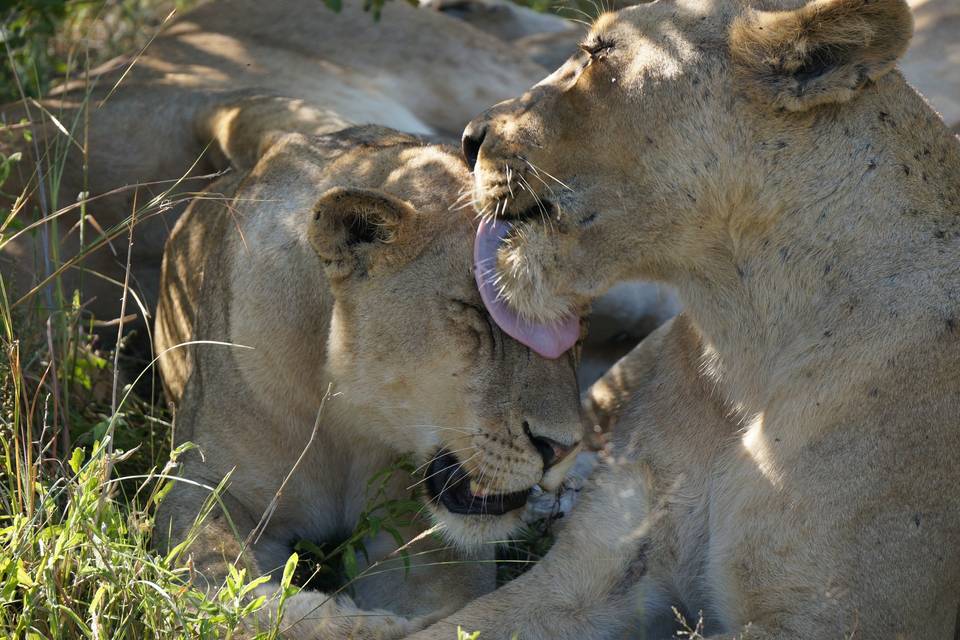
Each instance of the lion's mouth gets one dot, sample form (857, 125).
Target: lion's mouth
(449, 484)
(504, 203)
(542, 210)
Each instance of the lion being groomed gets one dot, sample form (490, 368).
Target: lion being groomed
(335, 262)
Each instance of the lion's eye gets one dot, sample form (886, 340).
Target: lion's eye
(479, 321)
(597, 49)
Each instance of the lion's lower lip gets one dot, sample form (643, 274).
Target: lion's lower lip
(449, 484)
(540, 211)
(517, 206)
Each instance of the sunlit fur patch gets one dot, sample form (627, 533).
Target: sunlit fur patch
(603, 21)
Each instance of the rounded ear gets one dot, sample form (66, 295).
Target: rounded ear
(351, 226)
(823, 52)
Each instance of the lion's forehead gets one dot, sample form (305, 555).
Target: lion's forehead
(428, 173)
(425, 176)
(431, 177)
(674, 21)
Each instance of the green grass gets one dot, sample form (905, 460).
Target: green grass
(76, 520)
(86, 459)
(86, 456)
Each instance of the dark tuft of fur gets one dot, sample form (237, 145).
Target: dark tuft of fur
(823, 52)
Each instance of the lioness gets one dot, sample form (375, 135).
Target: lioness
(629, 311)
(786, 457)
(337, 260)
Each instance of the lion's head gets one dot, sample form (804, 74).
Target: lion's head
(409, 345)
(680, 130)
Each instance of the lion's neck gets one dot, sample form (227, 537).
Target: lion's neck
(841, 273)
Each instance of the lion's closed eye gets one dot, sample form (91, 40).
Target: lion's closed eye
(597, 48)
(475, 318)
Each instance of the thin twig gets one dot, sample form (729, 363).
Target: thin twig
(111, 428)
(268, 512)
(136, 58)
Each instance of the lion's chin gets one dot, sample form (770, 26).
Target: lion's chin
(467, 519)
(474, 533)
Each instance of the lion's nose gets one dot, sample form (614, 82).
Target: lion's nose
(473, 137)
(550, 450)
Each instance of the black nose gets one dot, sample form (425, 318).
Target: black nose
(473, 137)
(550, 450)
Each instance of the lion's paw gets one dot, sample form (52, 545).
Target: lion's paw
(552, 505)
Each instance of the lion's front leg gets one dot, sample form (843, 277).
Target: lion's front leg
(588, 586)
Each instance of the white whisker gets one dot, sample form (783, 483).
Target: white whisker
(449, 466)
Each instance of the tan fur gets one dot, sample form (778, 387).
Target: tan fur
(784, 455)
(408, 71)
(274, 260)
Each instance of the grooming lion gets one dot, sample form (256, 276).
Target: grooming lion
(785, 458)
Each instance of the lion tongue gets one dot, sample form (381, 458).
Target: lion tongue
(550, 341)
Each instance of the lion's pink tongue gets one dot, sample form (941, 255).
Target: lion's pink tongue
(550, 341)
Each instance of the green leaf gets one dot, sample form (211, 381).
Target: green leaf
(334, 5)
(97, 600)
(254, 605)
(350, 562)
(312, 548)
(253, 584)
(76, 460)
(234, 574)
(23, 578)
(288, 570)
(100, 429)
(404, 555)
(162, 492)
(395, 534)
(374, 525)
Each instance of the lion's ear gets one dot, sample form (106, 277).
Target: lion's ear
(823, 52)
(351, 225)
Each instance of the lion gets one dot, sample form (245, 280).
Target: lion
(135, 117)
(630, 311)
(783, 459)
(340, 262)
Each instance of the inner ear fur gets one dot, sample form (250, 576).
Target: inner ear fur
(350, 223)
(823, 52)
